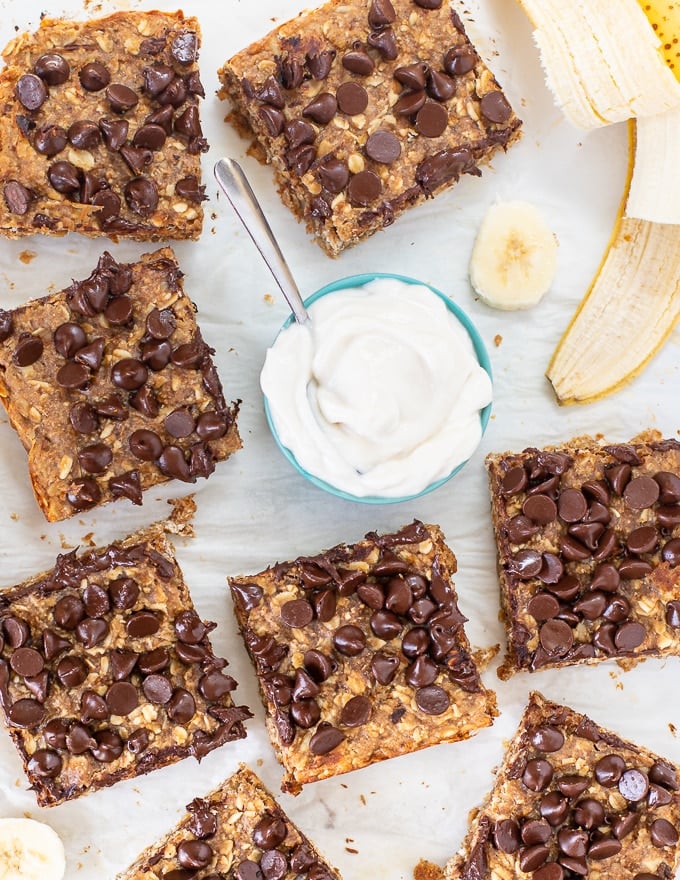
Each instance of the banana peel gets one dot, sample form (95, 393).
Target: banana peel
(633, 302)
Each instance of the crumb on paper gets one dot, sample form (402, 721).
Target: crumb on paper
(180, 520)
(14, 516)
(269, 299)
(362, 799)
(354, 852)
(88, 539)
(427, 871)
(497, 340)
(64, 543)
(27, 256)
(673, 729)
(260, 762)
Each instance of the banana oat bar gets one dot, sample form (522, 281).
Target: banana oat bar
(365, 108)
(573, 800)
(100, 131)
(107, 671)
(111, 387)
(237, 831)
(361, 654)
(588, 539)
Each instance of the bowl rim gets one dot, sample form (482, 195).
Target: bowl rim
(359, 280)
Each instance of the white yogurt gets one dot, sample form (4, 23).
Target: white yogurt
(380, 394)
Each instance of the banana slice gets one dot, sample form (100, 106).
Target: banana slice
(586, 49)
(514, 258)
(30, 850)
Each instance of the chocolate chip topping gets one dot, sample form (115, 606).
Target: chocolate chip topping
(94, 76)
(381, 13)
(364, 188)
(495, 107)
(325, 739)
(322, 108)
(28, 350)
(31, 91)
(359, 62)
(431, 120)
(18, 198)
(459, 60)
(352, 98)
(52, 68)
(383, 146)
(141, 195)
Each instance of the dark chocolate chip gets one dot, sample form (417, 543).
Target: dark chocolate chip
(18, 198)
(129, 373)
(604, 848)
(537, 774)
(141, 195)
(122, 663)
(190, 628)
(352, 98)
(124, 592)
(50, 140)
(633, 785)
(53, 644)
(214, 685)
(663, 833)
(617, 609)
(609, 769)
(641, 493)
(79, 739)
(459, 60)
(92, 631)
(273, 864)
(572, 505)
(245, 870)
(172, 462)
(520, 529)
(554, 808)
(359, 62)
(428, 4)
(322, 108)
(121, 97)
(325, 739)
(495, 107)
(349, 640)
(547, 738)
(514, 482)
(52, 68)
(68, 612)
(540, 509)
(92, 707)
(122, 698)
(606, 578)
(184, 49)
(618, 476)
(114, 132)
(28, 350)
(663, 774)
(364, 188)
(64, 177)
(274, 120)
(96, 458)
(372, 595)
(96, 601)
(623, 824)
(188, 123)
(629, 635)
(248, 596)
(506, 836)
(45, 764)
(69, 338)
(432, 700)
(182, 707)
(319, 63)
(669, 486)
(381, 13)
(422, 672)
(440, 86)
(356, 712)
(385, 41)
(94, 76)
(157, 689)
(536, 831)
(142, 624)
(31, 91)
(270, 93)
(157, 78)
(589, 813)
(83, 494)
(671, 552)
(27, 662)
(305, 713)
(431, 120)
(526, 564)
(155, 660)
(383, 146)
(136, 158)
(291, 72)
(109, 746)
(84, 134)
(188, 188)
(552, 569)
(633, 569)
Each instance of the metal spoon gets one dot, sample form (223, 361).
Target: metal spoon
(234, 182)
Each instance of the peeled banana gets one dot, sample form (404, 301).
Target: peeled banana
(30, 850)
(514, 258)
(603, 60)
(655, 188)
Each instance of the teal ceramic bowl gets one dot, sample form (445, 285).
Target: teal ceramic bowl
(480, 351)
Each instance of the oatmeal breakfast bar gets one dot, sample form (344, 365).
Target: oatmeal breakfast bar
(588, 539)
(573, 800)
(100, 130)
(107, 671)
(237, 831)
(111, 387)
(361, 654)
(365, 108)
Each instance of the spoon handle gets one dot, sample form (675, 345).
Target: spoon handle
(233, 181)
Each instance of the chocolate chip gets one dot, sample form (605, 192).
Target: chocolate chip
(28, 350)
(514, 482)
(663, 774)
(547, 738)
(589, 813)
(428, 4)
(94, 76)
(319, 666)
(172, 462)
(322, 108)
(6, 324)
(136, 159)
(124, 592)
(385, 41)
(69, 338)
(526, 564)
(121, 97)
(214, 685)
(633, 569)
(349, 640)
(520, 529)
(325, 739)
(273, 864)
(381, 13)
(609, 769)
(84, 135)
(53, 644)
(129, 373)
(364, 188)
(617, 609)
(537, 774)
(190, 628)
(291, 72)
(535, 831)
(671, 552)
(157, 689)
(352, 98)
(356, 712)
(180, 423)
(605, 577)
(79, 739)
(552, 569)
(145, 401)
(155, 660)
(633, 785)
(618, 476)
(506, 836)
(247, 596)
(160, 324)
(45, 764)
(358, 61)
(383, 146)
(68, 612)
(540, 509)
(188, 188)
(409, 103)
(188, 123)
(319, 63)
(83, 494)
(494, 106)
(52, 68)
(572, 505)
(657, 797)
(641, 493)
(96, 458)
(96, 601)
(114, 132)
(305, 713)
(669, 486)
(440, 86)
(624, 824)
(270, 93)
(174, 95)
(91, 631)
(422, 672)
(384, 667)
(372, 595)
(122, 698)
(27, 662)
(64, 177)
(432, 700)
(629, 635)
(269, 832)
(122, 663)
(50, 140)
(109, 746)
(18, 198)
(274, 120)
(181, 707)
(663, 833)
(604, 848)
(432, 120)
(26, 714)
(31, 91)
(141, 195)
(184, 49)
(245, 870)
(142, 624)
(325, 605)
(385, 625)
(459, 60)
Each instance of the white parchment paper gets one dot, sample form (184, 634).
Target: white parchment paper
(256, 510)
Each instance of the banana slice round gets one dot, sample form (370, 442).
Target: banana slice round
(514, 259)
(30, 850)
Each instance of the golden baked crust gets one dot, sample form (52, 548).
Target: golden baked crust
(573, 799)
(366, 108)
(238, 822)
(100, 130)
(594, 573)
(361, 654)
(107, 672)
(89, 374)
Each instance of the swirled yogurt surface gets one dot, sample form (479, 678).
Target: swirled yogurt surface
(380, 393)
